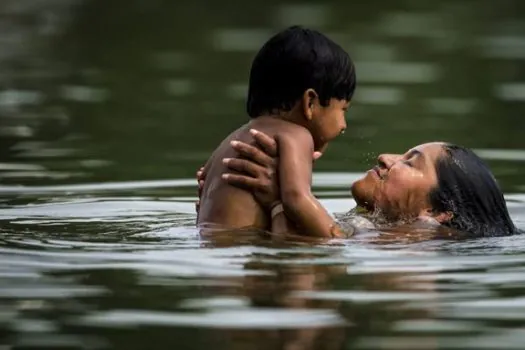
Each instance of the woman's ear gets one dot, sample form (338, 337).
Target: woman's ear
(309, 101)
(441, 217)
(444, 217)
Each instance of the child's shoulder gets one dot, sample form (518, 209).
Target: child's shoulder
(294, 133)
(280, 127)
(275, 127)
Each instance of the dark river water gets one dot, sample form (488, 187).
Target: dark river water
(107, 108)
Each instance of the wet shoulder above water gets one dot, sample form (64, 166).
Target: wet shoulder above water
(106, 112)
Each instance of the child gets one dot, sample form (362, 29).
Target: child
(300, 86)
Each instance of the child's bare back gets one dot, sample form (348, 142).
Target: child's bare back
(229, 206)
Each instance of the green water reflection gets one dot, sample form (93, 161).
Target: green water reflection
(147, 89)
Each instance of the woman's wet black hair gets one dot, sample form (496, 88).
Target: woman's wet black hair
(292, 61)
(467, 189)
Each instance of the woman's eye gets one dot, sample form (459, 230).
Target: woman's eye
(407, 162)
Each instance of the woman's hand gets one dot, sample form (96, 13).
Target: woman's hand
(258, 168)
(200, 182)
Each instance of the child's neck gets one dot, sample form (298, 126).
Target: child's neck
(293, 116)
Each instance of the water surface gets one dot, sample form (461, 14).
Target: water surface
(106, 112)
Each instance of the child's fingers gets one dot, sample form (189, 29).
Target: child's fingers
(253, 153)
(267, 143)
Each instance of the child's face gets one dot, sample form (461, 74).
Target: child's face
(328, 122)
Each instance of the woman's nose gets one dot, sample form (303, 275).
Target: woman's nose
(387, 160)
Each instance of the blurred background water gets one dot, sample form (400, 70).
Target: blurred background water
(107, 108)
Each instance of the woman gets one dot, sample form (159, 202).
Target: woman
(439, 183)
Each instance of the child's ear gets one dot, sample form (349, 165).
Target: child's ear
(309, 101)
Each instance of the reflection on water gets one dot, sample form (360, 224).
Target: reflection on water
(152, 72)
(106, 111)
(88, 265)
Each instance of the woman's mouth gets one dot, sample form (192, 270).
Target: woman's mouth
(375, 172)
(379, 172)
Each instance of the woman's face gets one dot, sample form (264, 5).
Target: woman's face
(398, 187)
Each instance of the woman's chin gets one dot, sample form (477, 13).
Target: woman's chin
(361, 200)
(361, 191)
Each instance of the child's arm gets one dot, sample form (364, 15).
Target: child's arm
(295, 177)
(282, 225)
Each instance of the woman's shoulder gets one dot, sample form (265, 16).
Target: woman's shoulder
(352, 221)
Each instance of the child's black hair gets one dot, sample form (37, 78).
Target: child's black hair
(292, 61)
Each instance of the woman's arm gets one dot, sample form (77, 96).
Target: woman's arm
(257, 171)
(259, 174)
